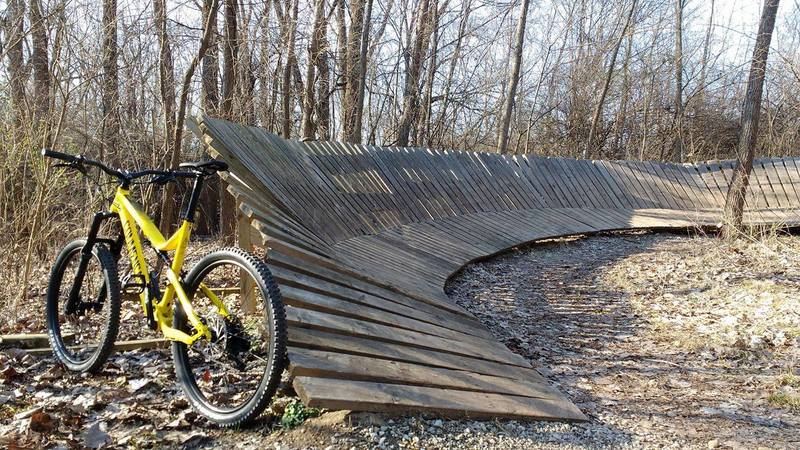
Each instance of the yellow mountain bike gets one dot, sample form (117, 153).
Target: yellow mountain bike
(225, 317)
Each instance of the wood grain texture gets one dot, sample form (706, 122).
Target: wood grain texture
(363, 239)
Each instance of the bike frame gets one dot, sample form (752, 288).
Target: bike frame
(134, 220)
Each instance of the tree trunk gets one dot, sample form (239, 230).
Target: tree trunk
(110, 95)
(210, 67)
(704, 60)
(513, 79)
(308, 125)
(411, 86)
(166, 73)
(15, 45)
(353, 86)
(677, 144)
(265, 111)
(322, 107)
(622, 116)
(41, 71)
(170, 206)
(751, 109)
(289, 25)
(591, 145)
(230, 56)
(424, 121)
(362, 70)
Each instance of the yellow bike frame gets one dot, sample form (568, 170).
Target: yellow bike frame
(133, 219)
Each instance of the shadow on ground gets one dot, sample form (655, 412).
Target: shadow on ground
(549, 303)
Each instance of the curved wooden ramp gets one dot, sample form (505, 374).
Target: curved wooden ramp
(363, 239)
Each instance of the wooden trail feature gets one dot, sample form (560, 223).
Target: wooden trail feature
(362, 241)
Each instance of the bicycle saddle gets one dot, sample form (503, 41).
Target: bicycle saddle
(213, 165)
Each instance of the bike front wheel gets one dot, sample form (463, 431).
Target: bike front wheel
(232, 378)
(83, 320)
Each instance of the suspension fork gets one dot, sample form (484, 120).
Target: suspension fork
(86, 256)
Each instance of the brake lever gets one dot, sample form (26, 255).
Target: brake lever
(79, 167)
(161, 180)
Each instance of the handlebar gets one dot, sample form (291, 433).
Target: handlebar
(125, 177)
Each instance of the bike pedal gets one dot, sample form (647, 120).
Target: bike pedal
(134, 287)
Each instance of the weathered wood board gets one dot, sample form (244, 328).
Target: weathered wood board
(363, 239)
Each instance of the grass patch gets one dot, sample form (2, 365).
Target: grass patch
(784, 400)
(296, 413)
(789, 379)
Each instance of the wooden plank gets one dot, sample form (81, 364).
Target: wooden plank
(711, 184)
(638, 180)
(586, 169)
(693, 174)
(351, 327)
(505, 179)
(627, 188)
(540, 185)
(339, 343)
(409, 307)
(369, 396)
(321, 364)
(568, 186)
(788, 178)
(652, 183)
(679, 198)
(774, 178)
(30, 340)
(119, 346)
(305, 299)
(291, 272)
(482, 175)
(615, 189)
(529, 194)
(466, 183)
(422, 167)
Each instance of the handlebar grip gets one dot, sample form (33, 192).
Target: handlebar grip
(47, 153)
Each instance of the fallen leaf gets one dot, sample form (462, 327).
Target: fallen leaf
(138, 383)
(95, 436)
(41, 422)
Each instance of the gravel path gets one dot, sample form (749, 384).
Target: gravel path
(590, 313)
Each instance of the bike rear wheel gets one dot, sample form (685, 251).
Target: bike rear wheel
(231, 379)
(82, 331)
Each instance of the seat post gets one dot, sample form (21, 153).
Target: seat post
(194, 198)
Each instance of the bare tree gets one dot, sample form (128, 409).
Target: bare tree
(210, 66)
(41, 69)
(466, 8)
(173, 132)
(230, 56)
(414, 70)
(15, 44)
(513, 79)
(289, 25)
(751, 112)
(704, 60)
(678, 103)
(591, 144)
(308, 127)
(322, 106)
(110, 95)
(353, 78)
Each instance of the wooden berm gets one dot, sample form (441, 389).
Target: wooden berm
(363, 239)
